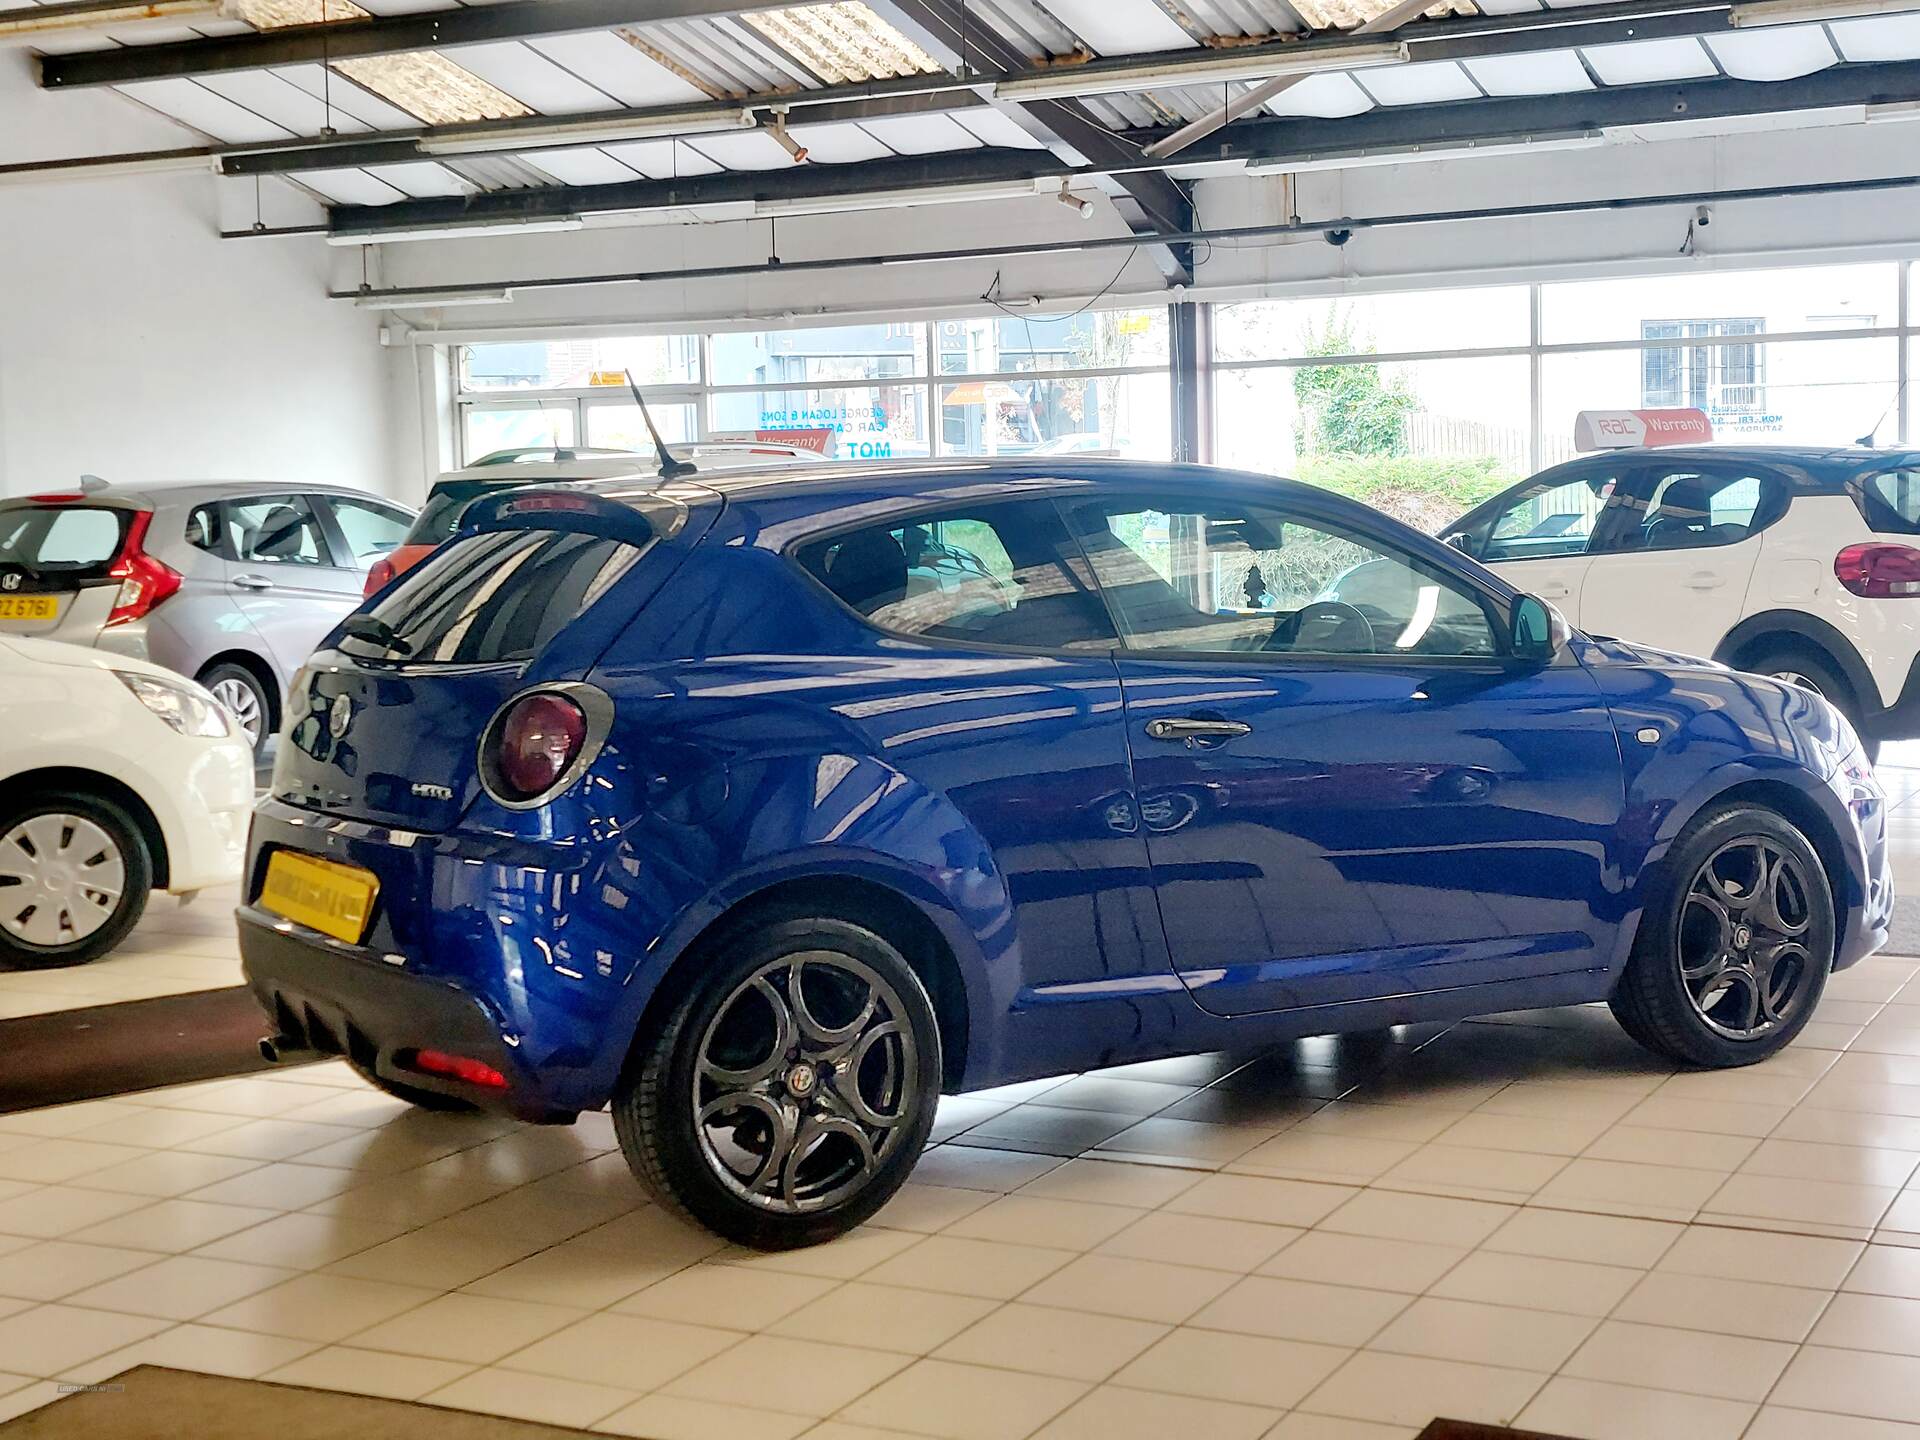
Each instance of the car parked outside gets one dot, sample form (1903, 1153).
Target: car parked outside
(232, 583)
(1799, 563)
(116, 777)
(503, 469)
(700, 797)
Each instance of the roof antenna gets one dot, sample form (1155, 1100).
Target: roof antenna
(671, 466)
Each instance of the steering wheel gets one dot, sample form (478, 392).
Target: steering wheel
(1328, 627)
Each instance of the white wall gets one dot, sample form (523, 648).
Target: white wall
(137, 345)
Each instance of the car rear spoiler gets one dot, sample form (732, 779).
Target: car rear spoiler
(576, 511)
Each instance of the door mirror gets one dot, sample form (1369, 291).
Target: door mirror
(1539, 631)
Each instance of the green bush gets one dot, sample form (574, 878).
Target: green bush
(1424, 491)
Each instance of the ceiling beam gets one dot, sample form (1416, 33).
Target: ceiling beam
(1269, 139)
(377, 35)
(1147, 199)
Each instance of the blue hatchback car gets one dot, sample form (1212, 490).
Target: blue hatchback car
(769, 806)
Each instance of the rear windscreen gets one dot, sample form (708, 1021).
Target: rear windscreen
(61, 541)
(1890, 501)
(440, 517)
(497, 596)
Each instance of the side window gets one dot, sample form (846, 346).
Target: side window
(1693, 509)
(1547, 518)
(1237, 579)
(275, 530)
(203, 528)
(370, 530)
(992, 575)
(1891, 501)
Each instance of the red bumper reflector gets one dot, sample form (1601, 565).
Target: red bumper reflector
(457, 1067)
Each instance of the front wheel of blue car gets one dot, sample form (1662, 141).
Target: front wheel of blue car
(1736, 944)
(791, 1088)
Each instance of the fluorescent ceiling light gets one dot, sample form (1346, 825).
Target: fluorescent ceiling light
(33, 20)
(897, 199)
(455, 231)
(1440, 150)
(1796, 12)
(1070, 80)
(434, 299)
(523, 135)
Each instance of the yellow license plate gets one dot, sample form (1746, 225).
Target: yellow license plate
(29, 607)
(323, 895)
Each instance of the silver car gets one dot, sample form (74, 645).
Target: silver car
(231, 582)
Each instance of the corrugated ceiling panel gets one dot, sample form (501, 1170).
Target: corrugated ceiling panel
(200, 108)
(534, 80)
(350, 187)
(1328, 96)
(607, 62)
(662, 159)
(1881, 37)
(844, 144)
(586, 166)
(991, 127)
(347, 97)
(1428, 83)
(1032, 27)
(842, 43)
(1549, 72)
(1642, 62)
(1510, 7)
(421, 178)
(1235, 18)
(710, 59)
(748, 150)
(1774, 53)
(921, 134)
(1122, 27)
(283, 102)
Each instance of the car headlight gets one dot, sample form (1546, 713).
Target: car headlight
(186, 708)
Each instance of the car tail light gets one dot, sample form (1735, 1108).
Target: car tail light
(144, 581)
(1879, 571)
(457, 1067)
(379, 575)
(538, 738)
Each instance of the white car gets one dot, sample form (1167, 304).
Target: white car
(1798, 563)
(116, 778)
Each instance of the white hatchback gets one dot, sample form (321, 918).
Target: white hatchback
(116, 778)
(1798, 563)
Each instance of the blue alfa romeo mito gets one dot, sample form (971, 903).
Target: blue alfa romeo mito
(769, 806)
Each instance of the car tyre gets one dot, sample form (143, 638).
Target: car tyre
(825, 1042)
(421, 1099)
(1804, 666)
(52, 829)
(1735, 945)
(240, 690)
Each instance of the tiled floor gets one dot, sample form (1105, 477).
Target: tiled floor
(174, 949)
(1519, 1220)
(1523, 1220)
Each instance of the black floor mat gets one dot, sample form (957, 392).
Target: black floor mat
(137, 1045)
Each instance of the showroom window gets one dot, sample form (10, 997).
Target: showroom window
(1093, 383)
(1425, 403)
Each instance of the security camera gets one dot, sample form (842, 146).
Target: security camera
(1703, 216)
(1082, 208)
(1337, 238)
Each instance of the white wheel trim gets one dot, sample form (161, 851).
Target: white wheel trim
(241, 702)
(62, 877)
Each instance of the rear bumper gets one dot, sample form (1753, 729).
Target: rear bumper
(1901, 719)
(338, 999)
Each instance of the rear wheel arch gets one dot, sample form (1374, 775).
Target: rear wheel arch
(1792, 629)
(72, 779)
(899, 920)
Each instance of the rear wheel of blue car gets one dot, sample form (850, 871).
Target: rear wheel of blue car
(1736, 944)
(790, 1090)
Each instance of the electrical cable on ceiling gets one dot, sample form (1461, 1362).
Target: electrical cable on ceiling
(1094, 299)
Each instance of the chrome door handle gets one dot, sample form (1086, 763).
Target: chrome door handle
(1191, 730)
(252, 582)
(1705, 580)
